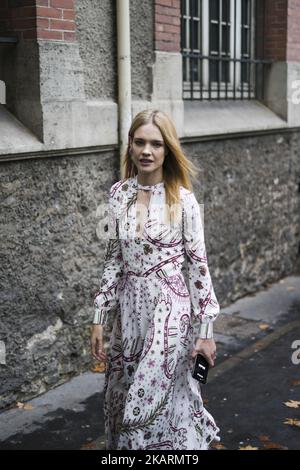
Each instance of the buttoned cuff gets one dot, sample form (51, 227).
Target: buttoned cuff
(206, 330)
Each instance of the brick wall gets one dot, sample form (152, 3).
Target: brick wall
(275, 30)
(278, 37)
(281, 30)
(167, 25)
(38, 19)
(293, 39)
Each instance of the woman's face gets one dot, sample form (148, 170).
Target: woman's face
(148, 149)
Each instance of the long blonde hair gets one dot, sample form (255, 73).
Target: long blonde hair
(177, 169)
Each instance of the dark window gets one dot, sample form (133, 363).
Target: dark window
(219, 49)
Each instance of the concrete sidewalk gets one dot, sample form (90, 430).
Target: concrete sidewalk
(252, 378)
(67, 417)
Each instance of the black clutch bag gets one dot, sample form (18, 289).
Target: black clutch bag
(201, 367)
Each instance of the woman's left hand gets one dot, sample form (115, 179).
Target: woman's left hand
(206, 347)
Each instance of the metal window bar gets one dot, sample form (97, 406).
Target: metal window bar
(227, 53)
(251, 34)
(191, 61)
(201, 49)
(235, 46)
(233, 70)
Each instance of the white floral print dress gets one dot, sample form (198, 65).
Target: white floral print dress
(151, 400)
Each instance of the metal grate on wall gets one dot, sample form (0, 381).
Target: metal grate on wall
(222, 44)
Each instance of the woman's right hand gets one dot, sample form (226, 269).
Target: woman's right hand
(97, 348)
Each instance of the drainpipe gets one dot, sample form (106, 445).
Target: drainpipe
(124, 76)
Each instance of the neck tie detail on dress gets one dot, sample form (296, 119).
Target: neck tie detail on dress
(149, 187)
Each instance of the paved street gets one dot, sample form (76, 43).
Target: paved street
(247, 400)
(254, 376)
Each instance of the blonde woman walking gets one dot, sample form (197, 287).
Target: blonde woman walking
(162, 322)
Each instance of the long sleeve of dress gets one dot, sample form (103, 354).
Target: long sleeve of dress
(205, 306)
(106, 298)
